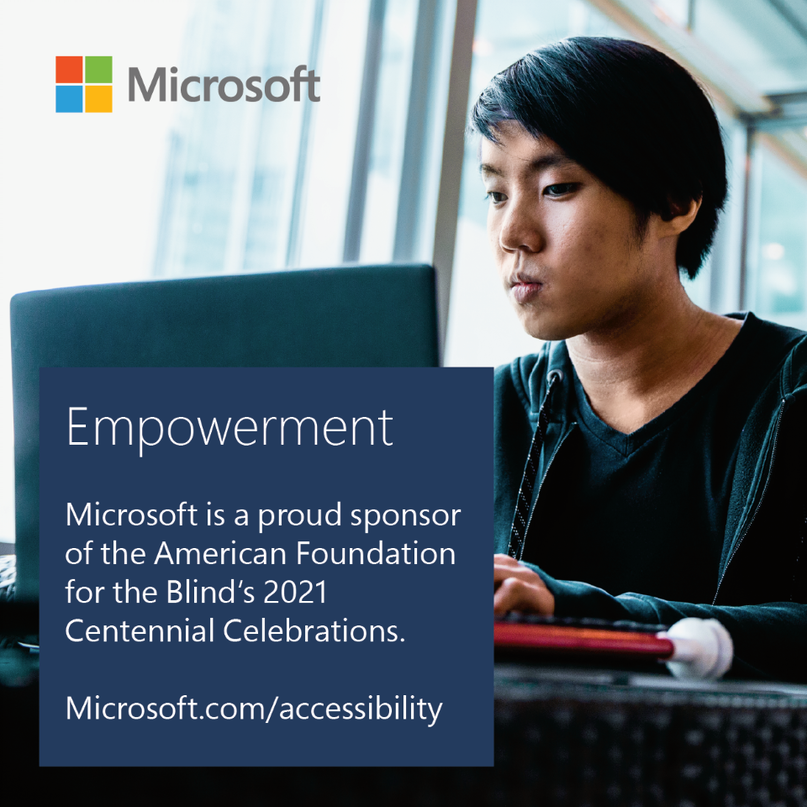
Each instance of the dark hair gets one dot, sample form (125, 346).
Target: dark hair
(631, 116)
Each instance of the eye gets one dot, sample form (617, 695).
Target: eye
(560, 188)
(495, 197)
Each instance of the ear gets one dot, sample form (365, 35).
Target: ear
(681, 217)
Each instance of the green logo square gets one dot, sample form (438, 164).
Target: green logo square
(97, 69)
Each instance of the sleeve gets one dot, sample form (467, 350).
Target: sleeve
(770, 640)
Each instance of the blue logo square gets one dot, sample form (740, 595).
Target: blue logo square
(69, 98)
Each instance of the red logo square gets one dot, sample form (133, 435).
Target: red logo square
(69, 69)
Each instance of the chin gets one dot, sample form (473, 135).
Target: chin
(547, 331)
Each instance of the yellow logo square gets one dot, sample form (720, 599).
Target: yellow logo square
(98, 99)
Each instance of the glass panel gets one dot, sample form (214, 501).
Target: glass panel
(675, 10)
(392, 101)
(230, 176)
(777, 258)
(269, 178)
(234, 199)
(765, 42)
(723, 264)
(330, 157)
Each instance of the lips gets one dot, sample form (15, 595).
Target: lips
(523, 290)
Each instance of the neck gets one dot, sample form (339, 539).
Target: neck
(635, 369)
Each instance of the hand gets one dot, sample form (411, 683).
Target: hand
(517, 588)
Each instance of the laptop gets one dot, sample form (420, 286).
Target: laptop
(352, 316)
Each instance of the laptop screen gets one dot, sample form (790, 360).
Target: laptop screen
(354, 316)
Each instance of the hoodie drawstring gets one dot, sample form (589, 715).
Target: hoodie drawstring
(518, 529)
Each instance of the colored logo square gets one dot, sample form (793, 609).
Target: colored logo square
(98, 70)
(70, 98)
(98, 99)
(69, 70)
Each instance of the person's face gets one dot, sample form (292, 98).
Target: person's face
(567, 247)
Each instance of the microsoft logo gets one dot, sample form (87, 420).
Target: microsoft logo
(84, 84)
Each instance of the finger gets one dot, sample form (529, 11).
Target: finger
(523, 573)
(503, 571)
(501, 560)
(515, 594)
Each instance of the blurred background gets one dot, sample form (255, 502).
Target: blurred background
(378, 170)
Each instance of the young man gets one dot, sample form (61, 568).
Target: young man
(651, 446)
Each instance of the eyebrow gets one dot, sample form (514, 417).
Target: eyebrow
(535, 166)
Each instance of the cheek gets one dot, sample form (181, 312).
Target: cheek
(576, 244)
(595, 243)
(571, 233)
(588, 246)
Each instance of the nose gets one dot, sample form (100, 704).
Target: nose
(520, 227)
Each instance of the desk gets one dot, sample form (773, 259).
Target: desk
(582, 736)
(571, 737)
